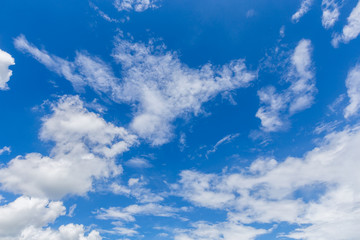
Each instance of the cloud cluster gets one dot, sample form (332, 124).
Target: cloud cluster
(351, 30)
(85, 146)
(161, 87)
(278, 106)
(136, 5)
(6, 60)
(319, 192)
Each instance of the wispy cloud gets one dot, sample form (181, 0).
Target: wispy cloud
(304, 8)
(353, 91)
(351, 30)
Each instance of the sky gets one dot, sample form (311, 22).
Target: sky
(179, 120)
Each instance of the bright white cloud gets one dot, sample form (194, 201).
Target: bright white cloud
(27, 212)
(277, 107)
(351, 30)
(353, 91)
(165, 89)
(320, 191)
(331, 12)
(304, 8)
(6, 60)
(65, 232)
(224, 140)
(136, 5)
(154, 80)
(85, 147)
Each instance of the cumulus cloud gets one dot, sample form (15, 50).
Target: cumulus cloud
(84, 149)
(319, 192)
(27, 212)
(154, 80)
(304, 8)
(351, 30)
(353, 91)
(136, 5)
(276, 107)
(6, 60)
(331, 12)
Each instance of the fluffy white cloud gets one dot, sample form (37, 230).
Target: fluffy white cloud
(304, 8)
(331, 13)
(154, 80)
(136, 5)
(85, 147)
(277, 107)
(320, 192)
(353, 91)
(27, 212)
(351, 30)
(6, 60)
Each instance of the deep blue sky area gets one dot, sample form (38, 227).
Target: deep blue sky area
(194, 120)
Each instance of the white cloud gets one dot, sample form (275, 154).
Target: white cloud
(155, 81)
(137, 162)
(353, 91)
(320, 191)
(220, 231)
(136, 188)
(351, 30)
(277, 107)
(65, 232)
(331, 13)
(165, 89)
(127, 214)
(4, 150)
(85, 147)
(304, 8)
(27, 212)
(136, 5)
(224, 140)
(6, 60)
(102, 14)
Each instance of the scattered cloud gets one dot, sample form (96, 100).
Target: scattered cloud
(137, 162)
(219, 231)
(331, 12)
(84, 150)
(353, 91)
(154, 80)
(6, 60)
(5, 150)
(318, 191)
(102, 14)
(224, 140)
(351, 30)
(136, 5)
(304, 8)
(278, 106)
(136, 188)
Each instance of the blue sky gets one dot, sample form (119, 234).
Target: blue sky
(184, 120)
